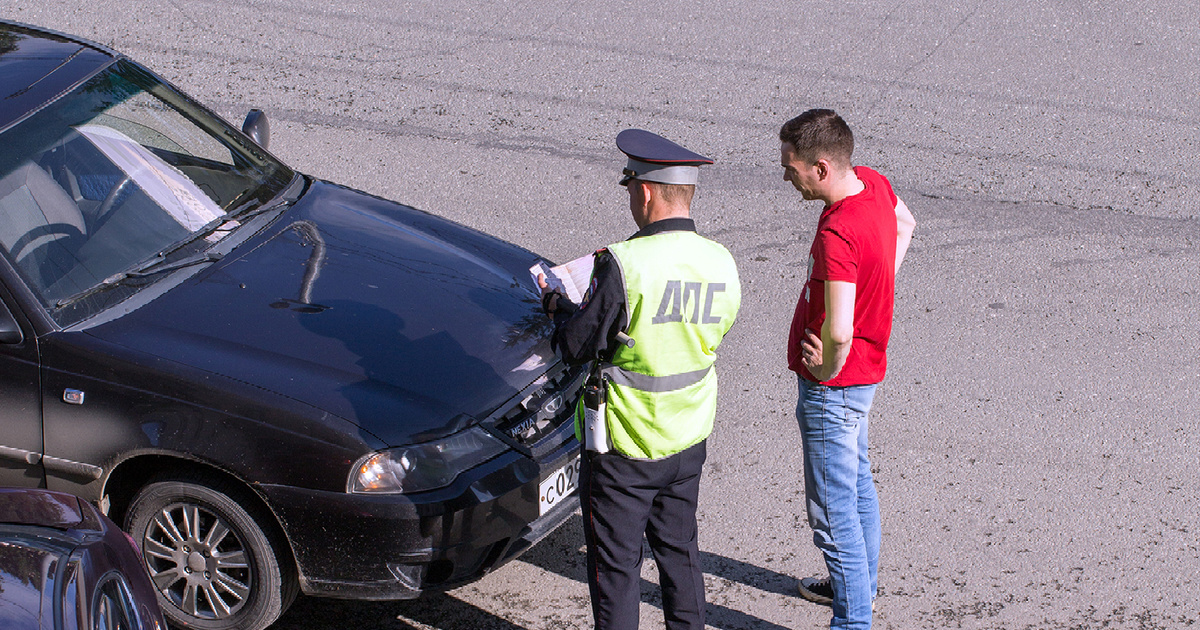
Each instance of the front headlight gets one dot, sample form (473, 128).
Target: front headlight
(425, 466)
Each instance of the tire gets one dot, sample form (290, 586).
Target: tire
(213, 565)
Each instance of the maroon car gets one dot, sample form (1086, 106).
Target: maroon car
(63, 564)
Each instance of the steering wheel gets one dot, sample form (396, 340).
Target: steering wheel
(55, 230)
(104, 210)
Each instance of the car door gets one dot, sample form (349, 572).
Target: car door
(20, 399)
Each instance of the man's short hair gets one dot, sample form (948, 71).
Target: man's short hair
(674, 194)
(819, 133)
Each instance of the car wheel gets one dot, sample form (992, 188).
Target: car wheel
(214, 567)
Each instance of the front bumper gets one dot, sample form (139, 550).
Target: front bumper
(364, 546)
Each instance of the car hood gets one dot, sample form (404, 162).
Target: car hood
(406, 324)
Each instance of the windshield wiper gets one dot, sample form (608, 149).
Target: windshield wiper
(218, 223)
(156, 266)
(151, 267)
(286, 197)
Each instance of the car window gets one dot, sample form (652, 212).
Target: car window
(168, 187)
(113, 607)
(151, 123)
(21, 582)
(74, 606)
(112, 174)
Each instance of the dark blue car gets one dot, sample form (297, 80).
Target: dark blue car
(274, 383)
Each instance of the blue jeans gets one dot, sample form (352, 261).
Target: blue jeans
(843, 507)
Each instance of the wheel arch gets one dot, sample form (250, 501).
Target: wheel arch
(131, 475)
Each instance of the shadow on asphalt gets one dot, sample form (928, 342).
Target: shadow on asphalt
(435, 611)
(560, 553)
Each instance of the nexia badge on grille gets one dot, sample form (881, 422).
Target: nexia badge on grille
(520, 429)
(550, 408)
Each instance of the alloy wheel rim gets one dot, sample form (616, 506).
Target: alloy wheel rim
(197, 561)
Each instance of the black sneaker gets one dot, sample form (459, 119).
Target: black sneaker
(817, 590)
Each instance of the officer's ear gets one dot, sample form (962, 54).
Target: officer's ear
(648, 190)
(640, 194)
(639, 191)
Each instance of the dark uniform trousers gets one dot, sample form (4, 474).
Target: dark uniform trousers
(623, 498)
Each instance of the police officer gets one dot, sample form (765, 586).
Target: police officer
(658, 306)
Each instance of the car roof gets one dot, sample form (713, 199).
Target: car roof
(37, 66)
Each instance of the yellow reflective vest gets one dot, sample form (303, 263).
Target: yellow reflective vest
(682, 295)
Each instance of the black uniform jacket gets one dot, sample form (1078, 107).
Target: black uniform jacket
(588, 331)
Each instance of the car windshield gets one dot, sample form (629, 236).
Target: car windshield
(117, 172)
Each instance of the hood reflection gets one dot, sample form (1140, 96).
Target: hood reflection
(310, 234)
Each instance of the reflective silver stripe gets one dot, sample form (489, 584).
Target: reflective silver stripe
(646, 383)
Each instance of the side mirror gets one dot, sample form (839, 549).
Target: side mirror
(10, 330)
(257, 127)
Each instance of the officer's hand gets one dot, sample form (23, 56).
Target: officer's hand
(549, 296)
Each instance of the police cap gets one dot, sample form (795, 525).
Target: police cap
(653, 158)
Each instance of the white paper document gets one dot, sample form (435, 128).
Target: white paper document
(570, 278)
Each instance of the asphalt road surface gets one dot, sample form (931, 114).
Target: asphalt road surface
(1036, 440)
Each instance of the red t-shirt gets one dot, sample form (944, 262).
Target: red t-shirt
(856, 243)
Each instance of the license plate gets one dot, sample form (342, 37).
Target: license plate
(558, 486)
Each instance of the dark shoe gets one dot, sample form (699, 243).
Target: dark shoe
(817, 590)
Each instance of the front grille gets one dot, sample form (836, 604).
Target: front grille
(542, 407)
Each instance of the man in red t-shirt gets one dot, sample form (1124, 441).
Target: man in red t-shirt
(838, 348)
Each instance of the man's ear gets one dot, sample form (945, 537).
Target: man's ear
(823, 169)
(647, 191)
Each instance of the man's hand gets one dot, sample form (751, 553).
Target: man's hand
(549, 296)
(810, 351)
